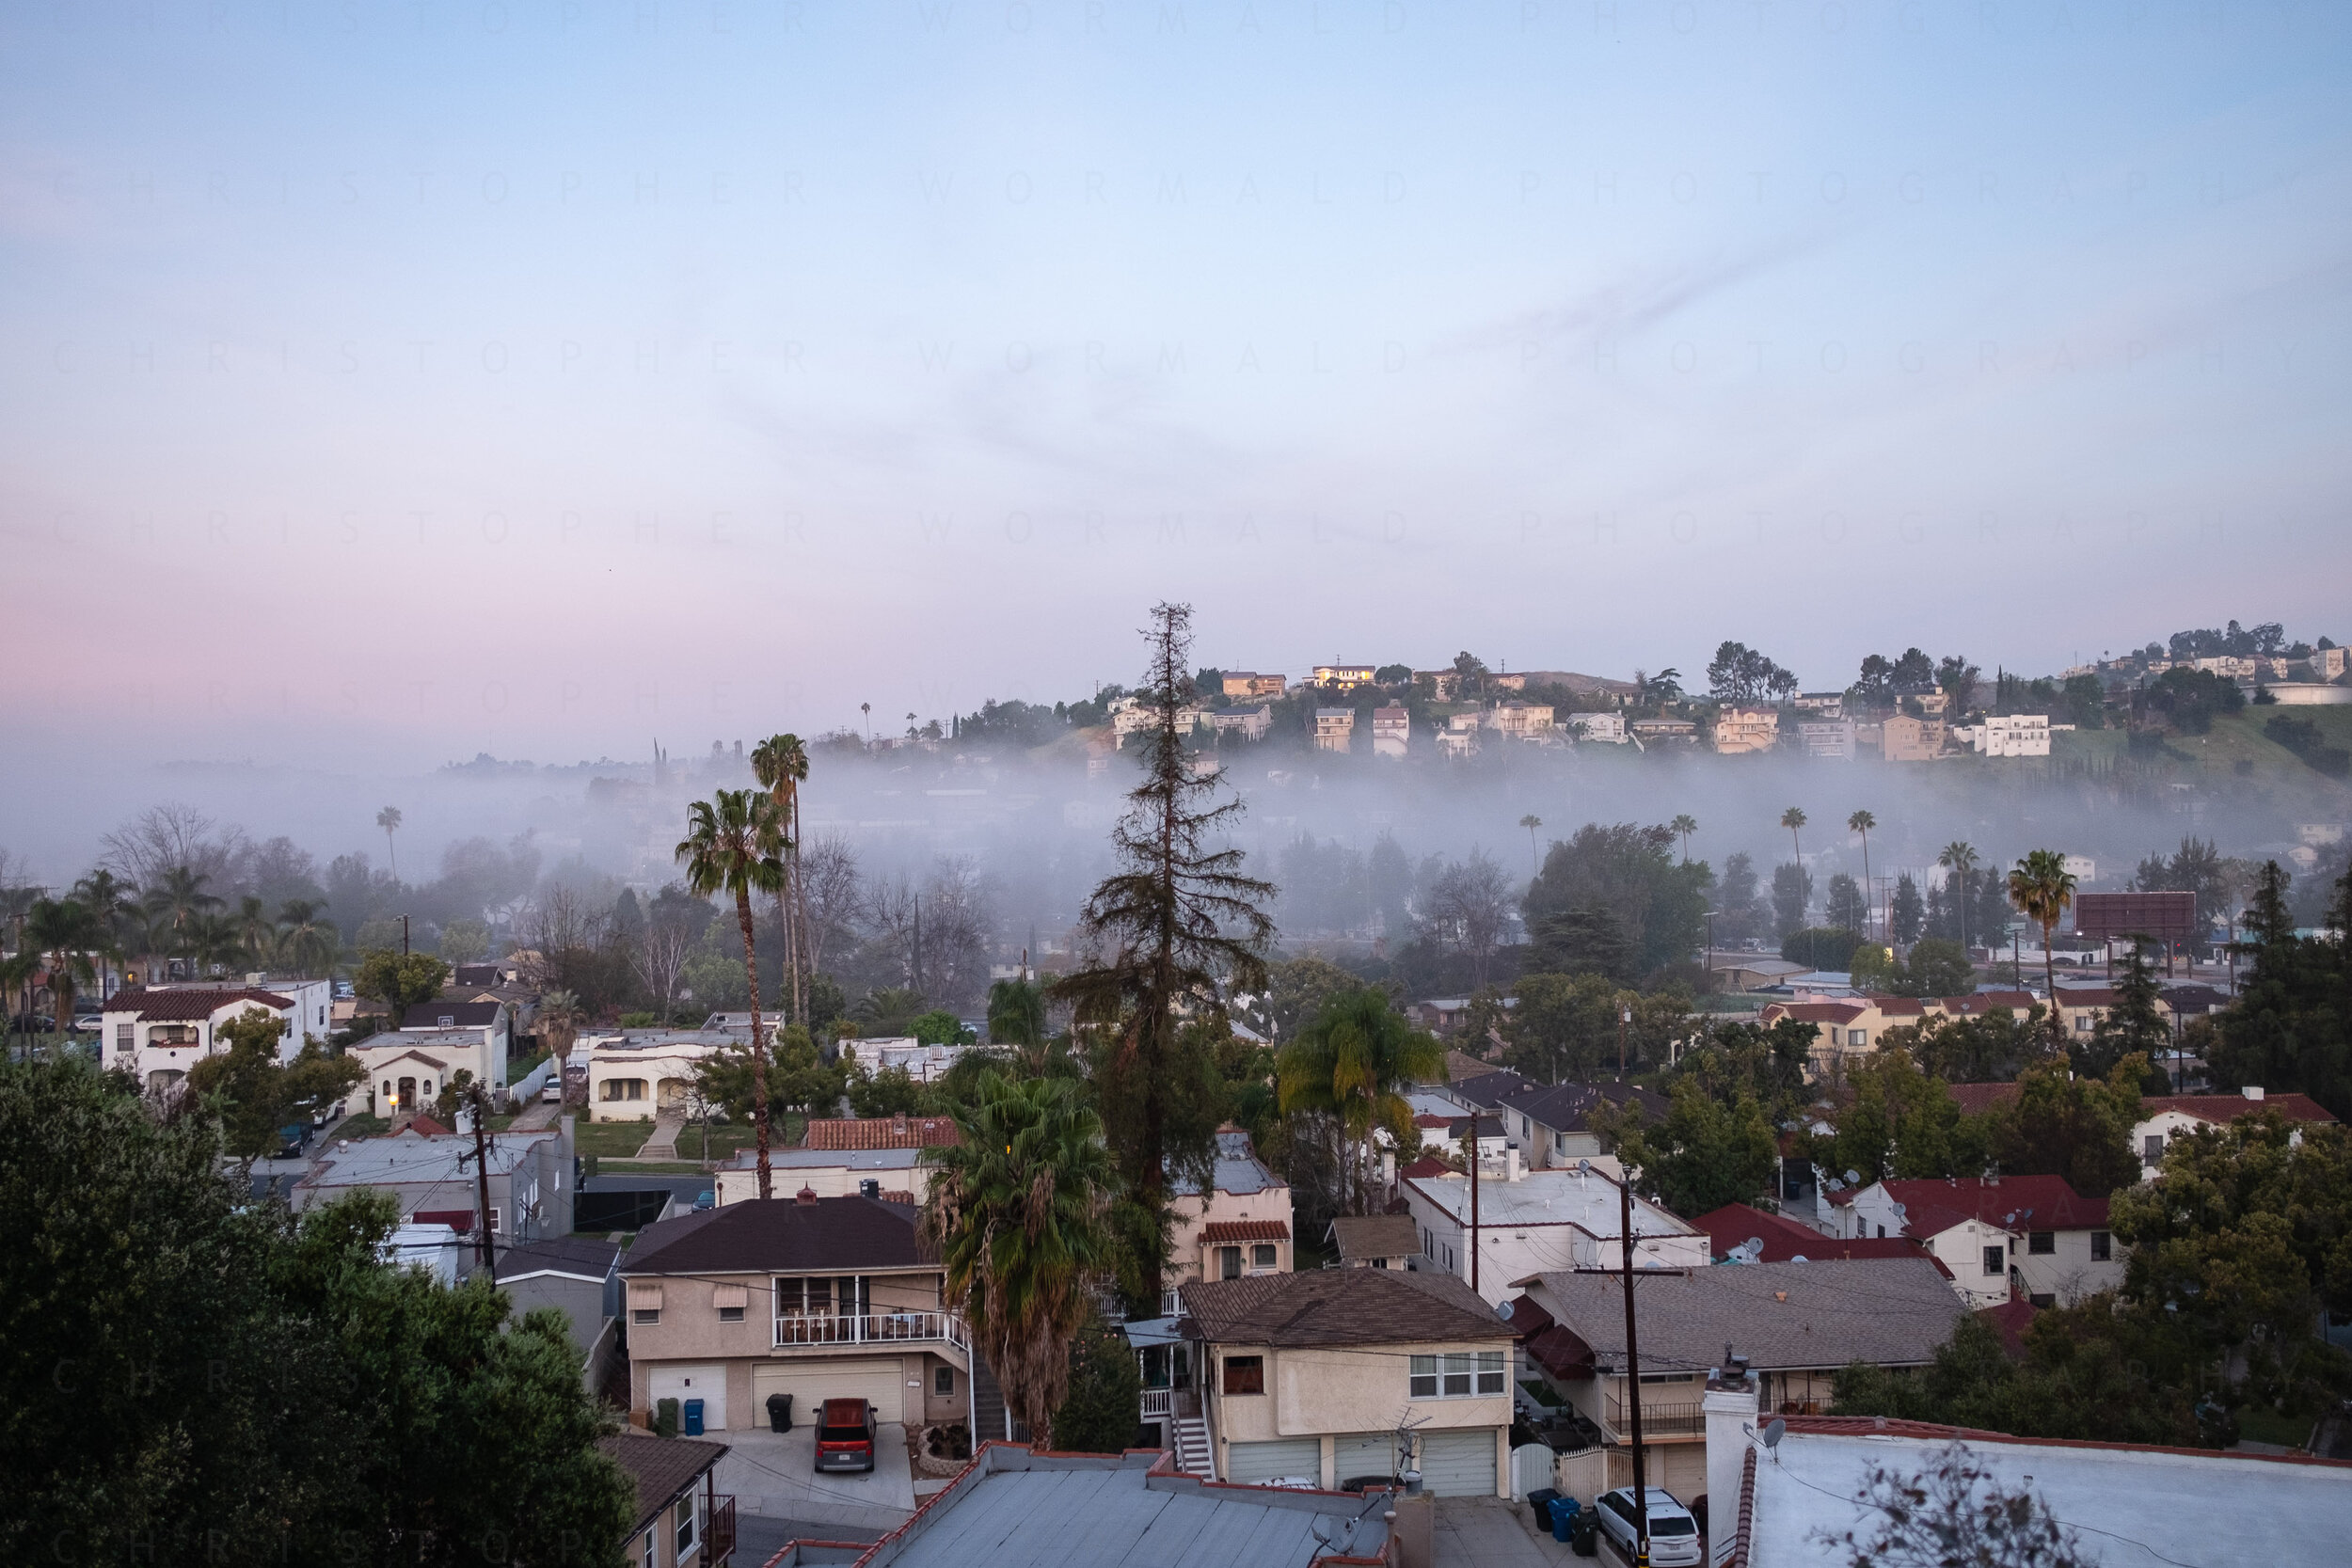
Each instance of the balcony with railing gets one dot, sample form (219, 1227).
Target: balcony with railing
(1161, 1404)
(1659, 1418)
(824, 1331)
(719, 1539)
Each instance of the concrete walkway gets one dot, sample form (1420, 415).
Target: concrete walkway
(1488, 1532)
(538, 1115)
(776, 1477)
(661, 1144)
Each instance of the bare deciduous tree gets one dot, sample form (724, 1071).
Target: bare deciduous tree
(958, 917)
(1469, 908)
(830, 886)
(660, 954)
(1954, 1511)
(172, 835)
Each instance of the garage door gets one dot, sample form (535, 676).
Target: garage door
(874, 1379)
(1459, 1464)
(1300, 1457)
(1363, 1453)
(707, 1384)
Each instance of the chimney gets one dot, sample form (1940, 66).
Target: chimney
(899, 1125)
(805, 1197)
(1511, 1162)
(2252, 1091)
(1730, 1407)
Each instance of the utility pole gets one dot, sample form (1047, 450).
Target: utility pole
(1625, 1021)
(1633, 1377)
(404, 936)
(480, 1101)
(1473, 1217)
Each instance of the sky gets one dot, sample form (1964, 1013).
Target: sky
(396, 381)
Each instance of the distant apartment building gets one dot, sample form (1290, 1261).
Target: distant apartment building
(1606, 729)
(1903, 739)
(1739, 730)
(2082, 868)
(1828, 738)
(2329, 663)
(1664, 731)
(1343, 676)
(1335, 728)
(1135, 718)
(2011, 735)
(1392, 729)
(1520, 720)
(1926, 701)
(1822, 704)
(1250, 723)
(1248, 683)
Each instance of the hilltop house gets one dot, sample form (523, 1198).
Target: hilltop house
(1335, 728)
(1742, 730)
(1248, 683)
(1392, 729)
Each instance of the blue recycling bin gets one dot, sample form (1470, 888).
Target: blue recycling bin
(694, 1417)
(1564, 1511)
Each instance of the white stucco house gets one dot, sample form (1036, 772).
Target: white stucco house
(1530, 1221)
(2002, 1236)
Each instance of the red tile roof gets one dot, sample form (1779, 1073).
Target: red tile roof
(1900, 1006)
(1983, 1001)
(2009, 1321)
(1786, 1240)
(1424, 1167)
(1976, 1099)
(1934, 1207)
(2229, 1107)
(189, 1007)
(881, 1132)
(1224, 1232)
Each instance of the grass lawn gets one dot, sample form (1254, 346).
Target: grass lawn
(362, 1127)
(615, 1138)
(2259, 1423)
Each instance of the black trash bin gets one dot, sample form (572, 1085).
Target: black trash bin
(780, 1412)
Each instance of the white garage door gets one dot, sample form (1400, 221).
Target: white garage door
(1459, 1464)
(1300, 1457)
(875, 1379)
(707, 1384)
(1362, 1453)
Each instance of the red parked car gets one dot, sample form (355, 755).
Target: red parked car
(845, 1435)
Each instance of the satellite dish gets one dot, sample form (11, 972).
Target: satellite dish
(1853, 1178)
(1775, 1432)
(1799, 1258)
(1753, 1246)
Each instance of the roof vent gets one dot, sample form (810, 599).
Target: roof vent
(805, 1197)
(2252, 1091)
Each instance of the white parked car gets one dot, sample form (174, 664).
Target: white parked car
(1673, 1534)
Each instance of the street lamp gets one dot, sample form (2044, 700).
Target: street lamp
(1625, 1021)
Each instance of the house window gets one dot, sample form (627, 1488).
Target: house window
(122, 1037)
(2151, 1149)
(685, 1527)
(943, 1381)
(644, 1316)
(2102, 1247)
(2043, 1300)
(1245, 1374)
(1422, 1384)
(2043, 1242)
(646, 1556)
(1457, 1374)
(1491, 1377)
(2084, 1022)
(1995, 1260)
(1261, 1256)
(1379, 1263)
(730, 1314)
(1857, 1037)
(1881, 1232)
(1229, 1262)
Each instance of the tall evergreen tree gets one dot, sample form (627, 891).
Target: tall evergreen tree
(1175, 928)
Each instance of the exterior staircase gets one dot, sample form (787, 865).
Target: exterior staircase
(1193, 1456)
(990, 1422)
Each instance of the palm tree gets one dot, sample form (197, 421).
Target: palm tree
(110, 900)
(255, 934)
(1531, 822)
(2043, 890)
(388, 819)
(1350, 1062)
(1959, 859)
(1792, 819)
(1016, 1017)
(177, 902)
(1685, 824)
(66, 934)
(1018, 1211)
(560, 1017)
(211, 941)
(1861, 822)
(304, 941)
(781, 764)
(730, 847)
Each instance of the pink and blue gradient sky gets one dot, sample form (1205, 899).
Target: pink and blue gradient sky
(407, 380)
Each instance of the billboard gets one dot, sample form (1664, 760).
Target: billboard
(2159, 916)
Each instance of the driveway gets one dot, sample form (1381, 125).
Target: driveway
(1488, 1532)
(775, 1477)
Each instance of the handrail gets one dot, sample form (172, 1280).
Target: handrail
(867, 1328)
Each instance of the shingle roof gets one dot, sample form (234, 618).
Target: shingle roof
(1224, 1232)
(758, 1235)
(881, 1132)
(1564, 1107)
(1376, 1236)
(1891, 1312)
(661, 1467)
(460, 1015)
(1340, 1306)
(1819, 1012)
(1933, 1207)
(582, 1255)
(188, 1006)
